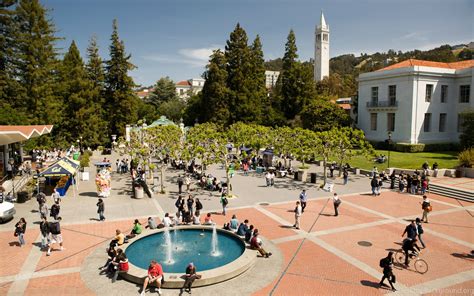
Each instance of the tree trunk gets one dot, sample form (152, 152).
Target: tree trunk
(324, 171)
(161, 181)
(229, 193)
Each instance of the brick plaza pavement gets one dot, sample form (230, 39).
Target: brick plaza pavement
(323, 258)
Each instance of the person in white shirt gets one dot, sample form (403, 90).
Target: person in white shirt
(272, 178)
(55, 195)
(298, 211)
(167, 221)
(336, 201)
(268, 177)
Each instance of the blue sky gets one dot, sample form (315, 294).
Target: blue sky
(174, 37)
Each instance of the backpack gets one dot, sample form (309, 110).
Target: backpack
(225, 201)
(383, 262)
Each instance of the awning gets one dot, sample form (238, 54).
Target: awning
(64, 166)
(16, 133)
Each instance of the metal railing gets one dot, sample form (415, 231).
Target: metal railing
(382, 104)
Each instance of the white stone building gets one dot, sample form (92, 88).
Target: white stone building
(185, 86)
(321, 50)
(271, 78)
(417, 101)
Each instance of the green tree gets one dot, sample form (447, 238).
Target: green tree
(321, 114)
(173, 109)
(120, 98)
(244, 103)
(164, 91)
(213, 105)
(35, 64)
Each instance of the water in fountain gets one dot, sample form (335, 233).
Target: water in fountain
(169, 246)
(215, 250)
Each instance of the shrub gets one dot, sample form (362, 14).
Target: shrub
(85, 160)
(405, 147)
(466, 158)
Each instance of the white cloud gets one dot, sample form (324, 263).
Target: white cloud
(195, 57)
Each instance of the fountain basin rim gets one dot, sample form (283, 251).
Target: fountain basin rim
(137, 274)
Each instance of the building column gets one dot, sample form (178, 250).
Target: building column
(5, 158)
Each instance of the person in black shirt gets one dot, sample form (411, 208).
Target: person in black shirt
(409, 245)
(388, 271)
(411, 230)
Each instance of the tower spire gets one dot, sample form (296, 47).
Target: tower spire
(323, 21)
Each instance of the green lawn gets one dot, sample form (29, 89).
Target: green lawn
(445, 159)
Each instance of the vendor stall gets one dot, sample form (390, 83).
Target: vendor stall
(61, 175)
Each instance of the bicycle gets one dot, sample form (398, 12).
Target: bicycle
(420, 265)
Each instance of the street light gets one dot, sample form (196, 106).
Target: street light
(113, 141)
(80, 144)
(389, 147)
(11, 161)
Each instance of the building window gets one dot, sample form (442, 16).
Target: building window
(375, 95)
(318, 37)
(392, 94)
(444, 93)
(390, 122)
(442, 122)
(325, 37)
(464, 93)
(460, 123)
(427, 123)
(181, 91)
(429, 92)
(373, 121)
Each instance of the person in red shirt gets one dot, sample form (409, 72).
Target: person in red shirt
(155, 274)
(256, 244)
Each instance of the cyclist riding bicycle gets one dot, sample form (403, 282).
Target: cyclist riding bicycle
(410, 245)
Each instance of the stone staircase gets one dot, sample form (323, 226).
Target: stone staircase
(448, 191)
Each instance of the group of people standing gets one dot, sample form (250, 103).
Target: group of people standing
(302, 202)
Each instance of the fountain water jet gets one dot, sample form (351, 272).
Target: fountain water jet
(169, 247)
(215, 250)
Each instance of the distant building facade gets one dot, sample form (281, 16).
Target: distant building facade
(417, 101)
(271, 78)
(185, 87)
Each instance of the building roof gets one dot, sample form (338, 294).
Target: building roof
(413, 62)
(183, 83)
(17, 133)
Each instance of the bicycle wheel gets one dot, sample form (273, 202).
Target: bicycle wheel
(400, 257)
(421, 266)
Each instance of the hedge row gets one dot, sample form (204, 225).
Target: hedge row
(405, 147)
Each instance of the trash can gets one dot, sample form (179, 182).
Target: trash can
(85, 176)
(22, 197)
(295, 175)
(313, 178)
(75, 155)
(138, 192)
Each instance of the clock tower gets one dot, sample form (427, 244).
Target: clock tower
(321, 50)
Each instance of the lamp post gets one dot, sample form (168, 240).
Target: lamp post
(11, 161)
(80, 144)
(114, 137)
(389, 147)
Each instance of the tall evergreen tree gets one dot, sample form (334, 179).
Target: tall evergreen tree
(120, 99)
(295, 85)
(34, 63)
(214, 106)
(95, 74)
(164, 91)
(243, 103)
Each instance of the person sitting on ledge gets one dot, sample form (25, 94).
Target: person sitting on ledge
(208, 219)
(243, 228)
(189, 277)
(155, 274)
(151, 223)
(137, 229)
(234, 223)
(168, 221)
(256, 244)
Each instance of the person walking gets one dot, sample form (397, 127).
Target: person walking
(374, 184)
(180, 184)
(387, 265)
(20, 229)
(56, 237)
(44, 229)
(298, 211)
(100, 209)
(420, 231)
(345, 176)
(187, 182)
(337, 202)
(43, 210)
(426, 207)
(303, 200)
(224, 202)
(55, 208)
(331, 169)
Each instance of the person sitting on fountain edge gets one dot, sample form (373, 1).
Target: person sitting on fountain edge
(243, 228)
(189, 277)
(256, 244)
(155, 274)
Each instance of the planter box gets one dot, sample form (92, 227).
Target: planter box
(85, 176)
(302, 175)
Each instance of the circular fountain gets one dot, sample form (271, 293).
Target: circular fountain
(218, 254)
